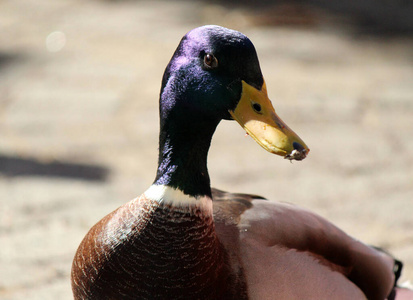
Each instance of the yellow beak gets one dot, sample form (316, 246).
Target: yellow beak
(256, 115)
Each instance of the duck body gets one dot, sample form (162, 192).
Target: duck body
(183, 240)
(243, 247)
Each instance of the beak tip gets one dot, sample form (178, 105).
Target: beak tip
(299, 153)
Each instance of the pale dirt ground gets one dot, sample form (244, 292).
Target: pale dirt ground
(94, 103)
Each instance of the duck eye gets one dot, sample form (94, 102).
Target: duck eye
(256, 107)
(210, 61)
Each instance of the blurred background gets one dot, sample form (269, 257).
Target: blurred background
(79, 86)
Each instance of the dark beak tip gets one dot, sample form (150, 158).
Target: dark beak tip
(299, 147)
(299, 152)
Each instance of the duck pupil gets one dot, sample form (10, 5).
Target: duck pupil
(256, 107)
(210, 60)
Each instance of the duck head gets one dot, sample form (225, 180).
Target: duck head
(215, 74)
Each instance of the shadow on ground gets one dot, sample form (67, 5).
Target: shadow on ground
(377, 17)
(370, 17)
(11, 166)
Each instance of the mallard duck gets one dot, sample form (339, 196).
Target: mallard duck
(181, 239)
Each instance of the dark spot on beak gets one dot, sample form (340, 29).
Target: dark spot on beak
(299, 152)
(298, 147)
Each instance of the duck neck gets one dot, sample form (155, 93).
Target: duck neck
(182, 190)
(183, 151)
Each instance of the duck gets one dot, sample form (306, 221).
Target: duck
(183, 239)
